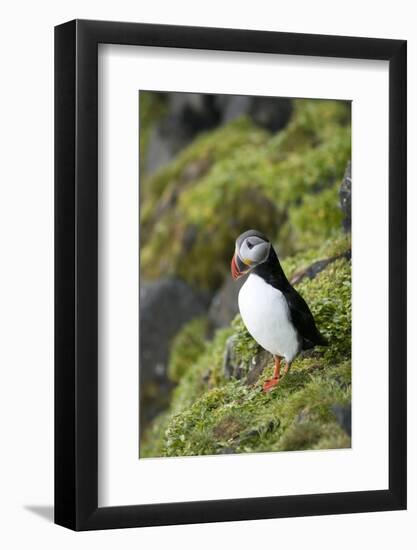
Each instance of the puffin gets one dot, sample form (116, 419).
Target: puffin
(274, 313)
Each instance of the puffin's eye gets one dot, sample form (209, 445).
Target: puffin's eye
(250, 245)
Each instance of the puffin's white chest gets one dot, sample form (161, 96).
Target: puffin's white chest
(266, 315)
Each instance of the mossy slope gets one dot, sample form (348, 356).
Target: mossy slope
(212, 415)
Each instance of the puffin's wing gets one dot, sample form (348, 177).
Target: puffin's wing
(303, 320)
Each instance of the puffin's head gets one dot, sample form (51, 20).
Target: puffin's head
(252, 248)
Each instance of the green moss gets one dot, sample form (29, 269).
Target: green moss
(245, 345)
(324, 209)
(212, 415)
(198, 379)
(329, 298)
(313, 435)
(337, 245)
(193, 162)
(194, 208)
(152, 443)
(189, 222)
(313, 122)
(236, 418)
(187, 346)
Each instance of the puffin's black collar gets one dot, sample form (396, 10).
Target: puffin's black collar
(272, 273)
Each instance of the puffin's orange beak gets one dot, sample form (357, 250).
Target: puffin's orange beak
(234, 269)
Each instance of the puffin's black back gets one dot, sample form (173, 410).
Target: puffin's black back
(303, 320)
(301, 316)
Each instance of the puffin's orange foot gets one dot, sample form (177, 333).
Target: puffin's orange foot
(270, 384)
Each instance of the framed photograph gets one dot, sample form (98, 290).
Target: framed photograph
(230, 285)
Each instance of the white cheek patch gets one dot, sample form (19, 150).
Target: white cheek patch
(256, 253)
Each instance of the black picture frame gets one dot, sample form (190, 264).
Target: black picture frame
(76, 272)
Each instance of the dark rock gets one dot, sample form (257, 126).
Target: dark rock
(164, 307)
(316, 267)
(224, 306)
(161, 148)
(189, 237)
(257, 366)
(346, 198)
(231, 365)
(272, 113)
(194, 112)
(233, 106)
(343, 414)
(236, 368)
(189, 114)
(311, 271)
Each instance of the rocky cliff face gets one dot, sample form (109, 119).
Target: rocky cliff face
(295, 185)
(165, 307)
